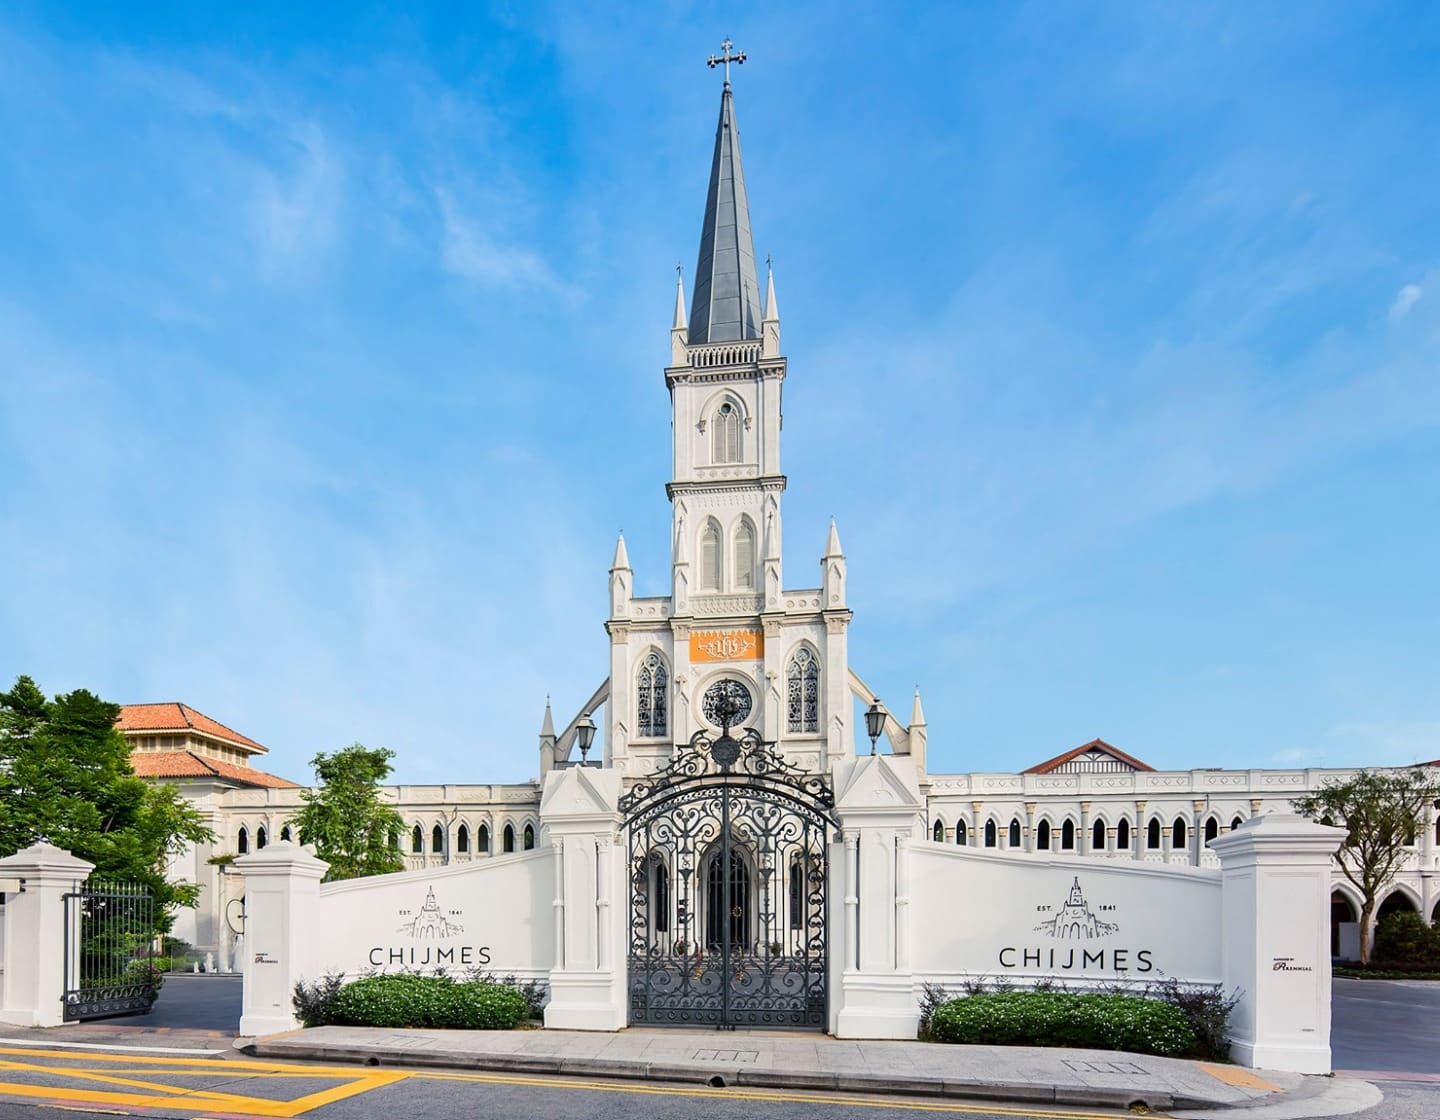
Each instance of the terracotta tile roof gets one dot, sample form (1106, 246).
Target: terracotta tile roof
(188, 764)
(1093, 745)
(172, 716)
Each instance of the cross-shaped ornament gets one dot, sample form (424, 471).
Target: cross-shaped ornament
(727, 58)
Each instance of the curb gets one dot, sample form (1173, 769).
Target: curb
(1025, 1092)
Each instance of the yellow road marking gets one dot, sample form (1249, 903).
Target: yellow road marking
(1234, 1075)
(359, 1081)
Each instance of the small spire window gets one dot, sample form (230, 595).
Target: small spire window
(710, 557)
(745, 556)
(725, 435)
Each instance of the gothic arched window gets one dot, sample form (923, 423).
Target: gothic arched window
(961, 833)
(417, 839)
(482, 839)
(261, 838)
(1152, 833)
(1212, 829)
(1177, 834)
(242, 845)
(710, 557)
(1237, 822)
(1014, 838)
(285, 833)
(509, 838)
(725, 435)
(745, 555)
(1067, 836)
(1097, 837)
(462, 839)
(1042, 837)
(529, 838)
(992, 836)
(652, 695)
(939, 832)
(803, 703)
(437, 839)
(1122, 835)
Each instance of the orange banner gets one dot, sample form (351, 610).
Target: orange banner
(727, 645)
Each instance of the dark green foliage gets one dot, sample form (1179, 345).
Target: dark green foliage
(535, 993)
(65, 775)
(315, 1002)
(345, 816)
(1405, 938)
(1207, 1012)
(407, 1000)
(1096, 1022)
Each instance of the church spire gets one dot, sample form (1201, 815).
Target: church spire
(726, 304)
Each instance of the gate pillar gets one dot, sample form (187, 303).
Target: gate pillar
(579, 811)
(1275, 940)
(35, 936)
(881, 810)
(282, 905)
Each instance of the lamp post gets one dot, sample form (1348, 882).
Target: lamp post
(584, 736)
(874, 722)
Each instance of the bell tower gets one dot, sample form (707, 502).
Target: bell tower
(728, 625)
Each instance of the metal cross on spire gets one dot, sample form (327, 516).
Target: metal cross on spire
(727, 58)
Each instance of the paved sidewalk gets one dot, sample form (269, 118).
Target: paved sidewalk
(793, 1061)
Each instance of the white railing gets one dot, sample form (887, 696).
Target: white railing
(724, 354)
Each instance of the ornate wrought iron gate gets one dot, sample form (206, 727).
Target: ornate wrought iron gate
(728, 859)
(108, 932)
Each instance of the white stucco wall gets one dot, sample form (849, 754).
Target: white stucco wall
(976, 913)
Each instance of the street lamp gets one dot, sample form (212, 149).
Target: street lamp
(874, 722)
(584, 736)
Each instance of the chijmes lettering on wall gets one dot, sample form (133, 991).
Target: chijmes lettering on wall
(425, 929)
(1075, 920)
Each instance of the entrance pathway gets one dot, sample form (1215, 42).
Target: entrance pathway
(803, 1061)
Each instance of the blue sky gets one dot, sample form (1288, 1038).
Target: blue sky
(331, 343)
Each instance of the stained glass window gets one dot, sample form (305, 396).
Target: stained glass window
(803, 702)
(651, 698)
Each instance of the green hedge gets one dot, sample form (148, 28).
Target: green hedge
(427, 1001)
(1097, 1022)
(1405, 938)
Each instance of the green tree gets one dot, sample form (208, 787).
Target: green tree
(345, 817)
(65, 775)
(1382, 812)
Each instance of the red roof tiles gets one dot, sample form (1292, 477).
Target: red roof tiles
(188, 764)
(172, 716)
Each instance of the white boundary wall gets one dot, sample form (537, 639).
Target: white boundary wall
(903, 910)
(978, 913)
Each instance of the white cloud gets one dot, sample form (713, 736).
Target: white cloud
(470, 250)
(1405, 299)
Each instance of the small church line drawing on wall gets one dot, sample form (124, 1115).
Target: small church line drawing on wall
(1075, 921)
(430, 921)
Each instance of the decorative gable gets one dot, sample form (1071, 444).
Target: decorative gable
(1094, 757)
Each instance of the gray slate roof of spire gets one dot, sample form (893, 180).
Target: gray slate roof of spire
(726, 306)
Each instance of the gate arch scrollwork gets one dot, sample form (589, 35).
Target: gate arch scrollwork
(728, 849)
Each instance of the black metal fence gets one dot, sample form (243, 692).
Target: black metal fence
(109, 930)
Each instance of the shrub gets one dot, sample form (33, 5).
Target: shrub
(407, 1000)
(1207, 1012)
(1406, 938)
(315, 1002)
(535, 993)
(1100, 1022)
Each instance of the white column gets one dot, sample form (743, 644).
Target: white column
(36, 941)
(282, 913)
(580, 811)
(1275, 910)
(880, 808)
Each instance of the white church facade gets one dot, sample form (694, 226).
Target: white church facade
(733, 648)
